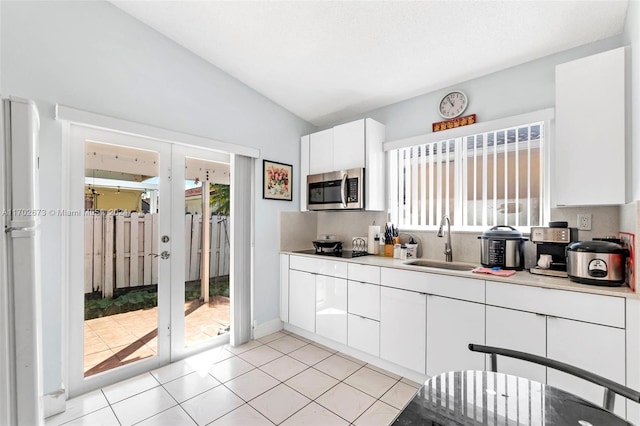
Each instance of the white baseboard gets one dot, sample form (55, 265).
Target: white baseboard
(266, 328)
(54, 403)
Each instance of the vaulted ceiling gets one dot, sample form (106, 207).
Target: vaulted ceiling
(329, 60)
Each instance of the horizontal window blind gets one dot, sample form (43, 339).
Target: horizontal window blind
(486, 179)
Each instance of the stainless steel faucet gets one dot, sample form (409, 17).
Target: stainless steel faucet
(448, 251)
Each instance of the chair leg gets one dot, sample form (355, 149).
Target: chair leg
(609, 399)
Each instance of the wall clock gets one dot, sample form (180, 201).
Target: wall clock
(453, 104)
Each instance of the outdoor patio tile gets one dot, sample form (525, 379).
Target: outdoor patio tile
(95, 358)
(94, 345)
(100, 323)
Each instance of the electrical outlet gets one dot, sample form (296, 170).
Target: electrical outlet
(584, 222)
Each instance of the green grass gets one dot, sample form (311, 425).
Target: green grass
(95, 307)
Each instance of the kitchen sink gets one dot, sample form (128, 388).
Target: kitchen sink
(441, 264)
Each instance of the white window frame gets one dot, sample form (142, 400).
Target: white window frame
(459, 137)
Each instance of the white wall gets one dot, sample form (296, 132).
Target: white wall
(632, 38)
(520, 89)
(92, 56)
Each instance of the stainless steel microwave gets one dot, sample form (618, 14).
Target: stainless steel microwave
(342, 190)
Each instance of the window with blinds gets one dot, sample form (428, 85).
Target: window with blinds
(482, 180)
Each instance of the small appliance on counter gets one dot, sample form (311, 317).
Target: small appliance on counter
(329, 247)
(597, 263)
(503, 247)
(551, 244)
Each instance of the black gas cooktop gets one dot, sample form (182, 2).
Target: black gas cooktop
(334, 253)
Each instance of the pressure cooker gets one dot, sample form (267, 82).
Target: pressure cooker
(503, 247)
(597, 263)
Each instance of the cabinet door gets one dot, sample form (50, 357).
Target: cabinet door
(302, 300)
(364, 300)
(284, 287)
(304, 171)
(348, 143)
(520, 331)
(451, 325)
(596, 348)
(331, 308)
(364, 334)
(321, 152)
(590, 131)
(403, 316)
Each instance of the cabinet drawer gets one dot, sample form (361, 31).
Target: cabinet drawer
(363, 273)
(364, 334)
(319, 266)
(469, 289)
(364, 299)
(595, 308)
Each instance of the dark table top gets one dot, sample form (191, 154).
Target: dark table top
(495, 399)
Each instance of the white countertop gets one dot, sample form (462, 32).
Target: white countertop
(521, 277)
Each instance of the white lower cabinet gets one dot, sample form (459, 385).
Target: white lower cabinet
(519, 331)
(451, 325)
(302, 300)
(364, 334)
(403, 316)
(331, 308)
(284, 287)
(596, 348)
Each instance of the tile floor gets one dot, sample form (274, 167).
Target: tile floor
(119, 339)
(278, 379)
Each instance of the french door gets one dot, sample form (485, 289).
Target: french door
(141, 234)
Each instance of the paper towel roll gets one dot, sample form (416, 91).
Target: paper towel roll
(374, 231)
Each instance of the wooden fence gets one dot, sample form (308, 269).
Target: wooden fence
(119, 248)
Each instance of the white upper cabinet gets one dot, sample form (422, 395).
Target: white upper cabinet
(321, 152)
(348, 146)
(353, 145)
(588, 153)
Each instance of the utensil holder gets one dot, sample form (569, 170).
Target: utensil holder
(388, 250)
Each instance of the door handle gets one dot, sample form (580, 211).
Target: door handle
(343, 190)
(164, 255)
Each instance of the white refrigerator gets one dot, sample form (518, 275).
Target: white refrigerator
(20, 305)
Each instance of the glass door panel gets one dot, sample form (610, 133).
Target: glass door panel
(121, 260)
(204, 317)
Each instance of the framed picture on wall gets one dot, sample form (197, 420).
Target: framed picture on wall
(276, 180)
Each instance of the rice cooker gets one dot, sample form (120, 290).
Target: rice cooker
(503, 247)
(597, 263)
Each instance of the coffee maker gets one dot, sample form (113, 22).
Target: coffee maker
(551, 243)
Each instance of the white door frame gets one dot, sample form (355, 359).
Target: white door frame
(179, 153)
(78, 384)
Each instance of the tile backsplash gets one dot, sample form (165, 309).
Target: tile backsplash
(298, 229)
